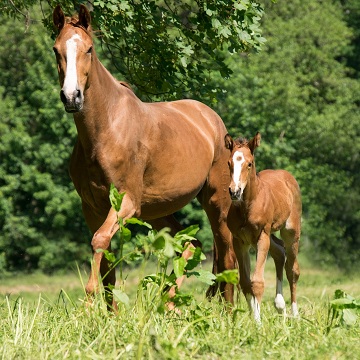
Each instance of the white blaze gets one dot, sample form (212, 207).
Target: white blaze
(238, 160)
(70, 82)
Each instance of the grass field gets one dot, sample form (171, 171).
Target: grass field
(45, 318)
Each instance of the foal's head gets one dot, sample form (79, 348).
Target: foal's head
(240, 163)
(74, 50)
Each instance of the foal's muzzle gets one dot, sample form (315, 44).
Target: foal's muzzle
(73, 102)
(235, 195)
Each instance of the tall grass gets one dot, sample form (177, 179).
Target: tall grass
(62, 327)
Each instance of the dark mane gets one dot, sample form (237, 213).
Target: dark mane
(125, 84)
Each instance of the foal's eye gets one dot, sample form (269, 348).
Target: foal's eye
(90, 50)
(249, 165)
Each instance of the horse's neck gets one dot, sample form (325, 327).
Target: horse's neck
(101, 97)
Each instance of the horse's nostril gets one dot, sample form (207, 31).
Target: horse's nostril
(63, 97)
(76, 94)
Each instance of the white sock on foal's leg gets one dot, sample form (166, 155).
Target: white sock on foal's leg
(294, 309)
(279, 304)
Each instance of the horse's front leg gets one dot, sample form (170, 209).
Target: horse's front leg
(243, 259)
(257, 281)
(101, 241)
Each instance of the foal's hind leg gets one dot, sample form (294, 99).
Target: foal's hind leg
(291, 239)
(277, 252)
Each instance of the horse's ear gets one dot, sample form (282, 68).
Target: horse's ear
(84, 16)
(229, 142)
(255, 142)
(58, 18)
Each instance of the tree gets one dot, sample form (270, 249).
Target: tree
(299, 93)
(170, 48)
(40, 214)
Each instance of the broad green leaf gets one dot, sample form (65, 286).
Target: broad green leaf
(179, 266)
(115, 197)
(120, 296)
(169, 251)
(159, 243)
(190, 231)
(195, 259)
(204, 276)
(349, 316)
(138, 222)
(228, 276)
(108, 255)
(126, 234)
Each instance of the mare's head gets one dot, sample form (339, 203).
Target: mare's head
(74, 50)
(241, 163)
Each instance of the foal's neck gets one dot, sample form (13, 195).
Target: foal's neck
(251, 189)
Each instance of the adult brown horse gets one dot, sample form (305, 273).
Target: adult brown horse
(162, 155)
(263, 203)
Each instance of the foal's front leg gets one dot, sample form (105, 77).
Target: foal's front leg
(257, 281)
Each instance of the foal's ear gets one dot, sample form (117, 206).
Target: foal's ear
(58, 18)
(254, 142)
(229, 142)
(84, 17)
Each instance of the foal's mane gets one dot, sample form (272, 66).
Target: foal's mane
(241, 141)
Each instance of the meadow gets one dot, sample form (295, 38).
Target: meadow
(45, 317)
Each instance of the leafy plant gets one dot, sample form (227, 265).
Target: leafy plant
(344, 309)
(166, 249)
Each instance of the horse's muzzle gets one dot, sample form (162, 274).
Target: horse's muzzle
(73, 102)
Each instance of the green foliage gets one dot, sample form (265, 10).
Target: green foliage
(40, 214)
(169, 48)
(60, 326)
(305, 102)
(165, 248)
(301, 92)
(344, 309)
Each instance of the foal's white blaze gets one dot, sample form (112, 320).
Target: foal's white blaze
(238, 161)
(70, 82)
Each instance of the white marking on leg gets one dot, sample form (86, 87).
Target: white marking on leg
(238, 160)
(254, 307)
(280, 305)
(70, 82)
(279, 301)
(294, 309)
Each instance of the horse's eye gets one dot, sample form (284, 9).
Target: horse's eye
(249, 165)
(90, 50)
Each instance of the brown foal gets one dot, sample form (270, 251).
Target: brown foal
(263, 204)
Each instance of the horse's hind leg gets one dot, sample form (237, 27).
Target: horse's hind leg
(277, 252)
(291, 239)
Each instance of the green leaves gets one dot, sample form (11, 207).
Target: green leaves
(228, 276)
(344, 309)
(115, 198)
